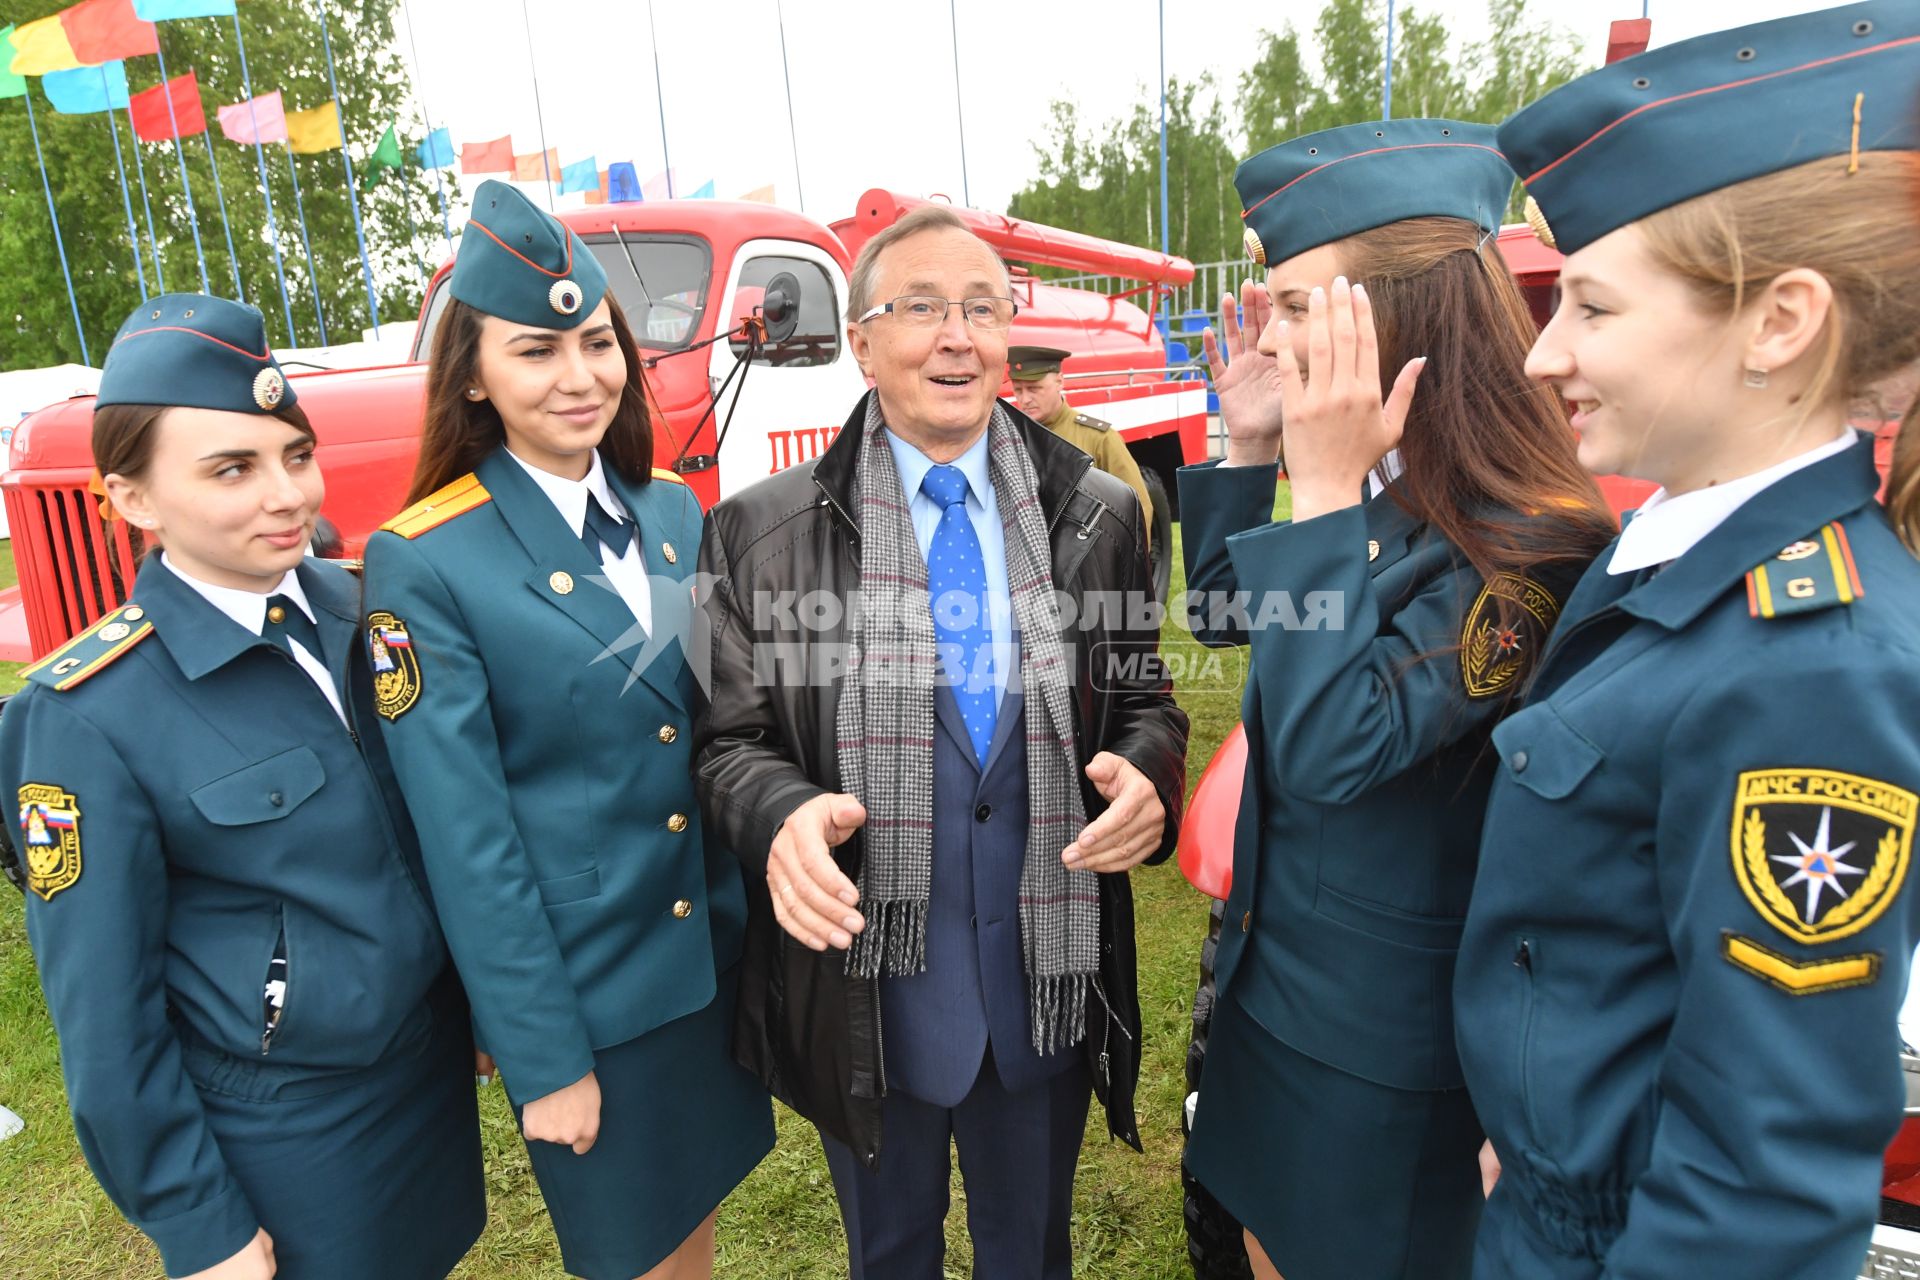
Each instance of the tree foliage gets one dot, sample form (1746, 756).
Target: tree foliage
(284, 52)
(1105, 179)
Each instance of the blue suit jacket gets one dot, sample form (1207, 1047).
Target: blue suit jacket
(545, 761)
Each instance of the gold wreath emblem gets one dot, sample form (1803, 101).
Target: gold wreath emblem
(396, 672)
(50, 835)
(1255, 250)
(1493, 655)
(1818, 853)
(1537, 219)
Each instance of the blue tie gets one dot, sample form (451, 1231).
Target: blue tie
(957, 588)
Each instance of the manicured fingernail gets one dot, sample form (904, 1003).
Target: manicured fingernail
(483, 1081)
(1339, 282)
(1360, 291)
(1319, 294)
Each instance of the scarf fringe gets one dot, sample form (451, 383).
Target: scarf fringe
(1057, 1010)
(894, 943)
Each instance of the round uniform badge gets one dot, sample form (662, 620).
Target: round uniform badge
(269, 389)
(561, 582)
(115, 631)
(1255, 250)
(564, 297)
(1537, 219)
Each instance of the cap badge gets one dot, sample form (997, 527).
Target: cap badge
(1537, 219)
(1256, 250)
(269, 389)
(564, 297)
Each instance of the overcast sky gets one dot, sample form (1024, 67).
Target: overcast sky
(873, 82)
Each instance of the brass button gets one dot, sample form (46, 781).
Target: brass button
(1373, 550)
(672, 556)
(668, 733)
(682, 909)
(1246, 922)
(134, 614)
(276, 615)
(561, 582)
(677, 823)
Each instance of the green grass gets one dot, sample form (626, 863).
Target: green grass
(780, 1224)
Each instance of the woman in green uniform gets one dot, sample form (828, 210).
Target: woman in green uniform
(530, 607)
(266, 1055)
(1433, 536)
(1692, 929)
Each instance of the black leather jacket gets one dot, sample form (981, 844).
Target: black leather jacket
(765, 746)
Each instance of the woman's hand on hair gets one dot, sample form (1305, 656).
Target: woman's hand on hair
(1247, 381)
(1337, 427)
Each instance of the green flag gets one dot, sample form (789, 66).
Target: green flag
(385, 156)
(11, 85)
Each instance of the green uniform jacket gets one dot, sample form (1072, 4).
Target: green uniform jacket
(544, 756)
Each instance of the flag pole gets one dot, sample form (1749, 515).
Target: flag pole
(226, 219)
(533, 69)
(313, 272)
(346, 162)
(126, 196)
(146, 200)
(180, 154)
(1386, 83)
(260, 155)
(793, 134)
(666, 161)
(439, 184)
(1165, 230)
(59, 246)
(959, 115)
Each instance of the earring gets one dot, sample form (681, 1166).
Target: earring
(474, 393)
(1756, 378)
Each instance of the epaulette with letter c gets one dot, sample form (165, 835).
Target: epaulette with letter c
(1816, 572)
(438, 507)
(93, 650)
(672, 477)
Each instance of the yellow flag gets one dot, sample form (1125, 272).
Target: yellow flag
(40, 47)
(314, 130)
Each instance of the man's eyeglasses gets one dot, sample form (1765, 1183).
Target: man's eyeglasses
(926, 313)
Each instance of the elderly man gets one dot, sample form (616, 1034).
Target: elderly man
(937, 779)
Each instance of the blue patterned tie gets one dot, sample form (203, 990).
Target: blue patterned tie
(957, 588)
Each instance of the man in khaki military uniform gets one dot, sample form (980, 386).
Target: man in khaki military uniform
(1035, 372)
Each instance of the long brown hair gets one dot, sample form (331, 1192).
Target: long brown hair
(1488, 457)
(1856, 227)
(459, 433)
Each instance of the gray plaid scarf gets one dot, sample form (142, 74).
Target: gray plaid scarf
(884, 736)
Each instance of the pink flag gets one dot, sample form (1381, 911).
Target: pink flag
(261, 119)
(656, 188)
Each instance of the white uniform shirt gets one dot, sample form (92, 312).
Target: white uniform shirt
(625, 573)
(249, 609)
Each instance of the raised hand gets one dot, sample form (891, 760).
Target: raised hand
(1246, 379)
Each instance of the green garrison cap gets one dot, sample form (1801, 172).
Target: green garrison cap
(1651, 131)
(194, 350)
(517, 262)
(1029, 364)
(1329, 185)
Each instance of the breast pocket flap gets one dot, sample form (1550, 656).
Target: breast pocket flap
(262, 792)
(1543, 753)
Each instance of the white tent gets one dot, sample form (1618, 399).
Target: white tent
(24, 390)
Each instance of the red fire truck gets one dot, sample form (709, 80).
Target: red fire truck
(738, 309)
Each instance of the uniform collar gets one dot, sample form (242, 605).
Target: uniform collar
(1754, 532)
(913, 466)
(193, 620)
(248, 608)
(1666, 528)
(1061, 417)
(570, 496)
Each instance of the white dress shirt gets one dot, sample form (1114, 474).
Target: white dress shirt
(1666, 528)
(249, 609)
(625, 573)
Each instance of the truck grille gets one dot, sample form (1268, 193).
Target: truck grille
(74, 567)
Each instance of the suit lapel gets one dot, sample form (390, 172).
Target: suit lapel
(662, 528)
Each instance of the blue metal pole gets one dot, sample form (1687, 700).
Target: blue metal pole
(666, 161)
(313, 271)
(1165, 230)
(439, 184)
(1386, 91)
(346, 162)
(793, 134)
(126, 195)
(226, 220)
(146, 200)
(180, 154)
(260, 154)
(59, 246)
(953, 23)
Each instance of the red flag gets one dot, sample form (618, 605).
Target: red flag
(149, 108)
(102, 30)
(487, 157)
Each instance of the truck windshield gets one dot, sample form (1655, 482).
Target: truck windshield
(664, 313)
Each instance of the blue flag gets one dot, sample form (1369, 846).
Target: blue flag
(86, 89)
(581, 175)
(704, 193)
(623, 184)
(166, 10)
(437, 151)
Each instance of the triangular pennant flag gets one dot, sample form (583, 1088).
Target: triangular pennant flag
(314, 130)
(660, 186)
(261, 119)
(166, 10)
(581, 175)
(704, 193)
(437, 151)
(41, 46)
(387, 154)
(102, 30)
(761, 195)
(537, 166)
(87, 89)
(487, 157)
(11, 85)
(149, 108)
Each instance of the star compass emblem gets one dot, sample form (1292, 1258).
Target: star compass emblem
(1818, 866)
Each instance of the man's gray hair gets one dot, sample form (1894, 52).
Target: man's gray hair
(866, 268)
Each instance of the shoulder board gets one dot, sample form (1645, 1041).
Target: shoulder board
(671, 477)
(1816, 572)
(92, 651)
(1088, 420)
(440, 506)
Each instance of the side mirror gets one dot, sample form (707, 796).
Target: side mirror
(780, 307)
